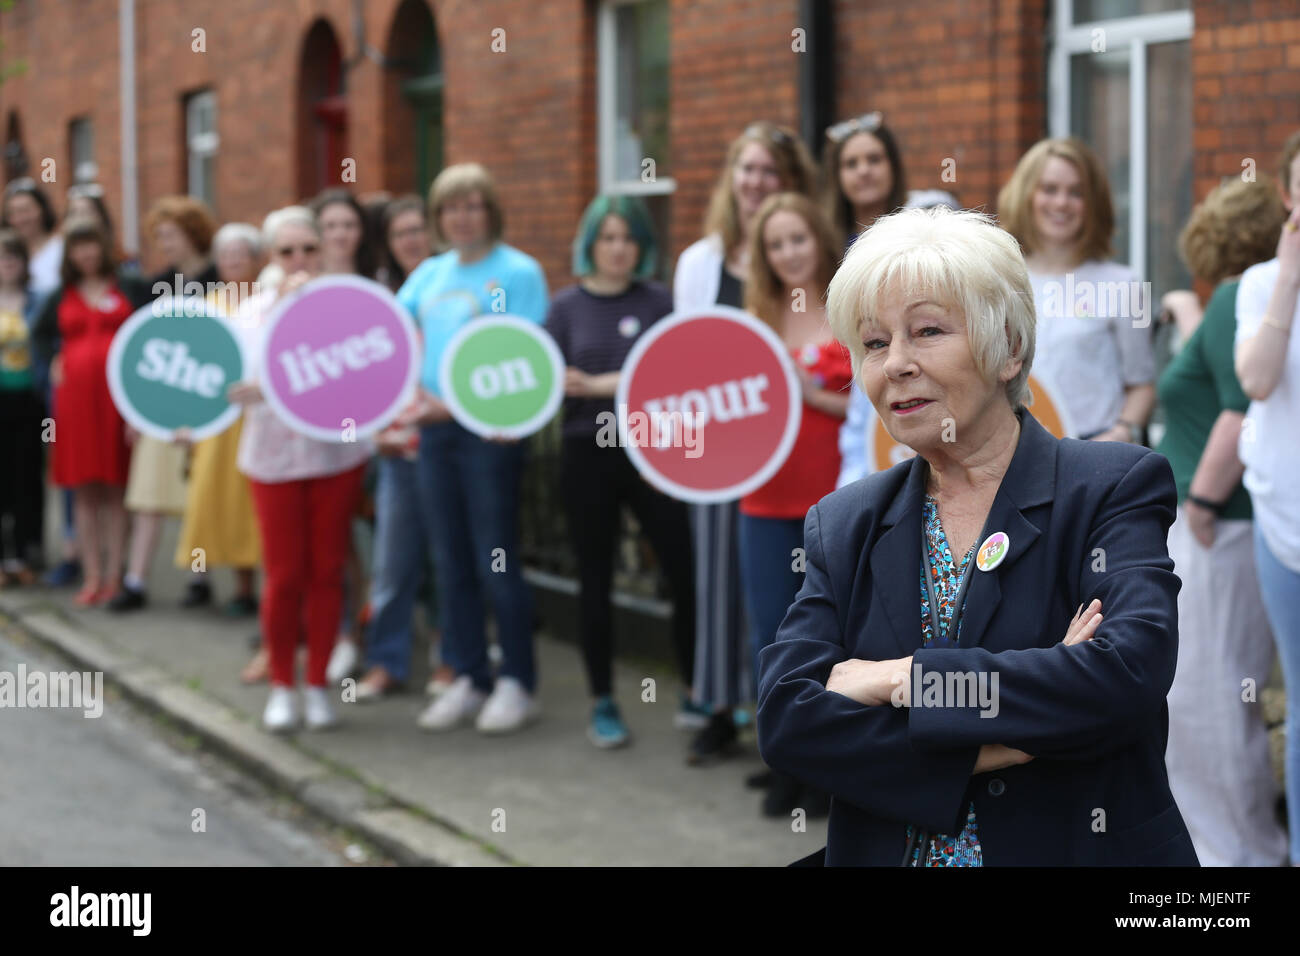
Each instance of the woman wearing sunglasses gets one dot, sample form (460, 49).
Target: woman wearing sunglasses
(304, 492)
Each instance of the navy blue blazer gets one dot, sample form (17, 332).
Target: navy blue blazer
(1085, 520)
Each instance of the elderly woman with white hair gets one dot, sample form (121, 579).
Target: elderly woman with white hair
(304, 492)
(946, 672)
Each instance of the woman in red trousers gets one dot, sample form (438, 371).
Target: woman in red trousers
(304, 492)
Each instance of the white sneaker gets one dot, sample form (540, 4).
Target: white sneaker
(343, 662)
(455, 706)
(509, 708)
(281, 714)
(318, 711)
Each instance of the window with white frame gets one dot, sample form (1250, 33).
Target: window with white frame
(632, 106)
(81, 147)
(201, 145)
(1120, 79)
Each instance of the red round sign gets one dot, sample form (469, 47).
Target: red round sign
(708, 404)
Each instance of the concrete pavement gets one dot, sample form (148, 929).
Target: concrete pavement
(544, 796)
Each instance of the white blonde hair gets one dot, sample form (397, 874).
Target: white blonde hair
(288, 216)
(960, 258)
(233, 232)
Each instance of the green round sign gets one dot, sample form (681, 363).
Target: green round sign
(169, 367)
(502, 376)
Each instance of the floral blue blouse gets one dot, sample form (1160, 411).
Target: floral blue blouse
(941, 849)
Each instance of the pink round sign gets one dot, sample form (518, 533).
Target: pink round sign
(339, 358)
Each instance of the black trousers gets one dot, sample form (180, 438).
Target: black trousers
(595, 484)
(22, 484)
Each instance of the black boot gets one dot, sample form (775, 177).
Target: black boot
(715, 742)
(198, 594)
(782, 796)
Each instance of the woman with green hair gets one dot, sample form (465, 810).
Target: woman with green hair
(595, 323)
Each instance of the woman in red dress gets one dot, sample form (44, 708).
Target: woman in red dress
(793, 253)
(90, 449)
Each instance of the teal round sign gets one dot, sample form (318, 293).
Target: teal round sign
(169, 367)
(502, 376)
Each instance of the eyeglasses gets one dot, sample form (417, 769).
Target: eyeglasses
(307, 250)
(867, 123)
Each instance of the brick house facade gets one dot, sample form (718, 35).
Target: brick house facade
(299, 85)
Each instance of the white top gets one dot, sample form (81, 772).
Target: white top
(857, 456)
(44, 266)
(1269, 446)
(1094, 339)
(698, 274)
(269, 450)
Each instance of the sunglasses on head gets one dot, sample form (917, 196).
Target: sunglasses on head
(867, 123)
(23, 184)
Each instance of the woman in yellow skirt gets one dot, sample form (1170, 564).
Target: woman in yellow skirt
(219, 528)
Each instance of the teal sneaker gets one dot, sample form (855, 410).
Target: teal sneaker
(607, 729)
(691, 716)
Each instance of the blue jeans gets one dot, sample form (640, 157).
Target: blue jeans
(471, 490)
(399, 551)
(767, 573)
(1280, 588)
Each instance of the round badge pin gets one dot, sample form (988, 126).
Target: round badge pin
(629, 326)
(993, 551)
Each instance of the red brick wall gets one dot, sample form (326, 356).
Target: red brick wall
(526, 113)
(960, 81)
(964, 81)
(732, 64)
(1245, 85)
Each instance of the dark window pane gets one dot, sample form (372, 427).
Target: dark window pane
(1086, 11)
(1169, 162)
(1099, 115)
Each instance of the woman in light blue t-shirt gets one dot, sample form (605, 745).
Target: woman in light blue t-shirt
(469, 485)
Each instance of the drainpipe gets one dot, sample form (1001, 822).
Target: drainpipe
(816, 72)
(126, 95)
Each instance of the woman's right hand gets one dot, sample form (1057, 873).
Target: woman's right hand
(244, 393)
(56, 370)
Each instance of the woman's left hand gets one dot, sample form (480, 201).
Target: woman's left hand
(872, 682)
(577, 383)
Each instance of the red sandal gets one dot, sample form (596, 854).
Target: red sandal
(88, 596)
